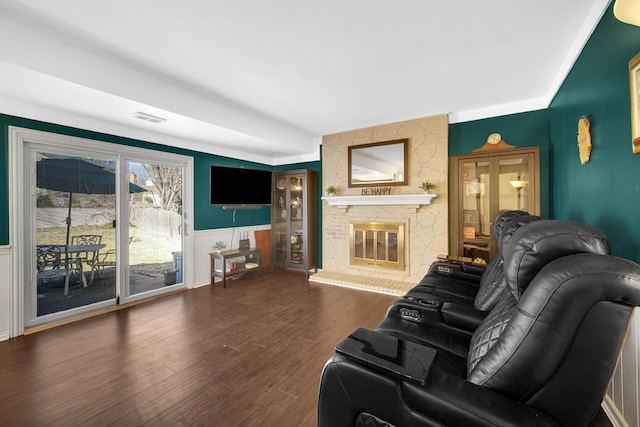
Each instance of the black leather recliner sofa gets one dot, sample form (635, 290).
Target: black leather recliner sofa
(458, 296)
(541, 356)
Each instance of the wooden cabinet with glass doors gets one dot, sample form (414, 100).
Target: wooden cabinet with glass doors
(484, 184)
(294, 227)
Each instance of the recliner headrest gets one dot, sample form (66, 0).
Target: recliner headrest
(503, 218)
(537, 243)
(511, 226)
(492, 282)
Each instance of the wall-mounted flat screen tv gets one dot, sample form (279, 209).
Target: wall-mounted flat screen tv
(239, 188)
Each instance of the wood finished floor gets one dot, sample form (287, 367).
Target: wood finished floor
(247, 355)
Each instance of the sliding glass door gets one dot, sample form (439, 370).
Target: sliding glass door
(99, 224)
(155, 227)
(74, 200)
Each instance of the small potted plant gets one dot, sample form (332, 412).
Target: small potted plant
(331, 190)
(427, 186)
(219, 246)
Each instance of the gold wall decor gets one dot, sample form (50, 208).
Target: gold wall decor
(634, 75)
(584, 139)
(494, 142)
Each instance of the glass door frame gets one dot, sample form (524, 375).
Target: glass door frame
(30, 297)
(23, 253)
(123, 232)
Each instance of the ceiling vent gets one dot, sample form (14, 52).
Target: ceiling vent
(148, 117)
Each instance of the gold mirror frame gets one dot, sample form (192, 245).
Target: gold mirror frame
(379, 164)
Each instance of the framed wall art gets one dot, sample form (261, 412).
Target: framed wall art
(634, 76)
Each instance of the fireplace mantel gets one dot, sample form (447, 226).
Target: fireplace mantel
(394, 199)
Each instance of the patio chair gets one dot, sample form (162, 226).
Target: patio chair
(87, 239)
(88, 257)
(104, 260)
(49, 263)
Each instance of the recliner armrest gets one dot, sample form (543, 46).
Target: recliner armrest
(471, 273)
(461, 316)
(474, 269)
(399, 359)
(348, 389)
(456, 402)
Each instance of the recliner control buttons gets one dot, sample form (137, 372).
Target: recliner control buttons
(408, 314)
(443, 269)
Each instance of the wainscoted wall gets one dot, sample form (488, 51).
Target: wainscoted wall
(426, 226)
(621, 400)
(6, 288)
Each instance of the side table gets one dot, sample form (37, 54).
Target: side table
(234, 262)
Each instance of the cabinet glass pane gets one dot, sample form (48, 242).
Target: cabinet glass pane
(476, 209)
(296, 185)
(297, 255)
(475, 204)
(280, 215)
(514, 184)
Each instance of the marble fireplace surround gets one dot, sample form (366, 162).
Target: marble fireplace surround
(425, 215)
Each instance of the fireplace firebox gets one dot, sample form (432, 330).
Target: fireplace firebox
(377, 244)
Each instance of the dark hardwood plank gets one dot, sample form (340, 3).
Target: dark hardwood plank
(250, 354)
(247, 355)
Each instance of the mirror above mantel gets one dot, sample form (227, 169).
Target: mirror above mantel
(379, 163)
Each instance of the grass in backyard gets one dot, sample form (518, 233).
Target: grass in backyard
(144, 247)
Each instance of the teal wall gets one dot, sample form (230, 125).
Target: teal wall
(520, 130)
(605, 192)
(205, 215)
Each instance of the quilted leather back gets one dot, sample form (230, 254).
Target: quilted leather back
(530, 246)
(563, 336)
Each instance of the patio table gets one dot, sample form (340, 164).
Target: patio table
(73, 252)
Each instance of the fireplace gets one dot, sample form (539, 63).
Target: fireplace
(377, 244)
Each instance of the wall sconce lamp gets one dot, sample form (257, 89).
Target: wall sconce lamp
(627, 11)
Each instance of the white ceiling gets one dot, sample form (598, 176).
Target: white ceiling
(263, 80)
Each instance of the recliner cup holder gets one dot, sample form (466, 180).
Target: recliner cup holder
(429, 302)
